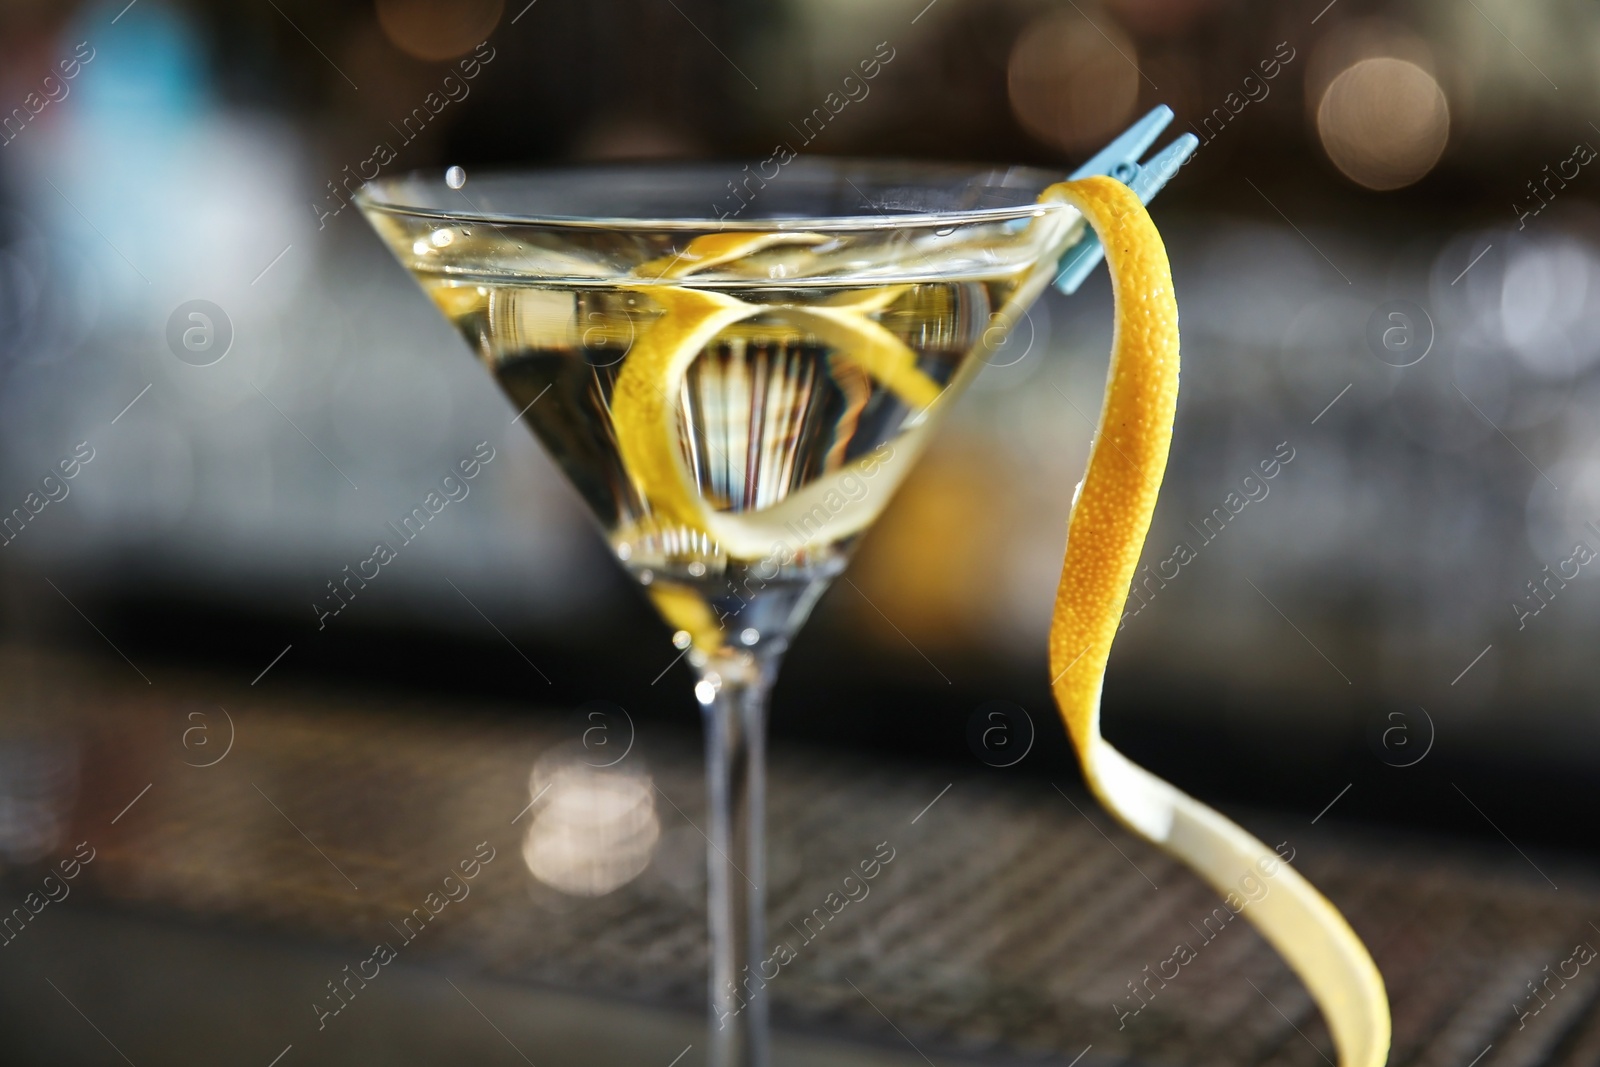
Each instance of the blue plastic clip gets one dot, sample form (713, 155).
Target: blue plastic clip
(1120, 160)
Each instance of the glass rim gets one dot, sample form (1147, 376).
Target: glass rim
(378, 194)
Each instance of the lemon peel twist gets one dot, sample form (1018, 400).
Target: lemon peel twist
(645, 404)
(1106, 532)
(1110, 518)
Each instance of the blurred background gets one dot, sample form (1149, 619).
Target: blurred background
(1387, 258)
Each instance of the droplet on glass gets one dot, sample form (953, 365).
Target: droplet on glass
(697, 569)
(681, 639)
(750, 635)
(455, 177)
(624, 551)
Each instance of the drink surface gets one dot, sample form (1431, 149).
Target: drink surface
(766, 408)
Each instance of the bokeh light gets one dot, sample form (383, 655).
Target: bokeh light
(1370, 37)
(1164, 16)
(1546, 297)
(1384, 122)
(595, 828)
(1072, 83)
(38, 785)
(438, 29)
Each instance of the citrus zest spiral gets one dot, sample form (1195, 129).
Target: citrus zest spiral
(1105, 537)
(1106, 532)
(645, 401)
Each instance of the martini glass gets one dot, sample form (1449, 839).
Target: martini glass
(735, 372)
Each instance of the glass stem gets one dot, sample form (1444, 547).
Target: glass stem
(733, 692)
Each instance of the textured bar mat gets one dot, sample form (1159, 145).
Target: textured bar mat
(932, 910)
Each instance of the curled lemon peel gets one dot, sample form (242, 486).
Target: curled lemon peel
(645, 400)
(719, 249)
(1106, 533)
(686, 610)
